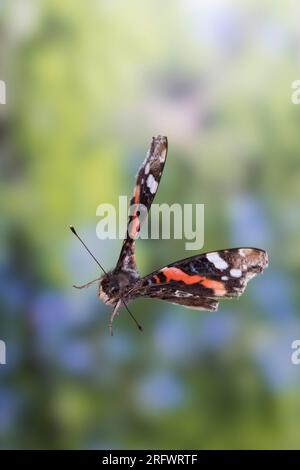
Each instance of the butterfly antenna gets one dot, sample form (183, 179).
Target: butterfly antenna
(80, 239)
(72, 228)
(132, 316)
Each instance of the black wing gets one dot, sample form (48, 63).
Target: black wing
(147, 182)
(202, 280)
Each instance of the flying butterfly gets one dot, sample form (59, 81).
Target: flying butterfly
(197, 282)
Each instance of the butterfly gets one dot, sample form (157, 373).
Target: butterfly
(197, 282)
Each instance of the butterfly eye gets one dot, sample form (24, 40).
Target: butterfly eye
(114, 286)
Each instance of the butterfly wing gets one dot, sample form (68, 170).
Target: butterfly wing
(147, 182)
(202, 280)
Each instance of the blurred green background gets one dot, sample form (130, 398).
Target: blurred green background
(88, 84)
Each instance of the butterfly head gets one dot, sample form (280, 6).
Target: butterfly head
(114, 285)
(109, 289)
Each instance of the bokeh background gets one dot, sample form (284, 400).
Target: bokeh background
(88, 84)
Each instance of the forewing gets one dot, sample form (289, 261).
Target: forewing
(202, 280)
(147, 182)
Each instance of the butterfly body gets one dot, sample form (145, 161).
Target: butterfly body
(115, 285)
(198, 282)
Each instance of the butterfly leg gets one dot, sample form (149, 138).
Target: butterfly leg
(88, 284)
(114, 313)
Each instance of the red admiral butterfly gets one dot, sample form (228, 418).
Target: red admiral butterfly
(198, 282)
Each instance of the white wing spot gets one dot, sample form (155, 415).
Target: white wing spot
(224, 278)
(217, 261)
(235, 272)
(163, 157)
(242, 252)
(152, 184)
(180, 293)
(147, 168)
